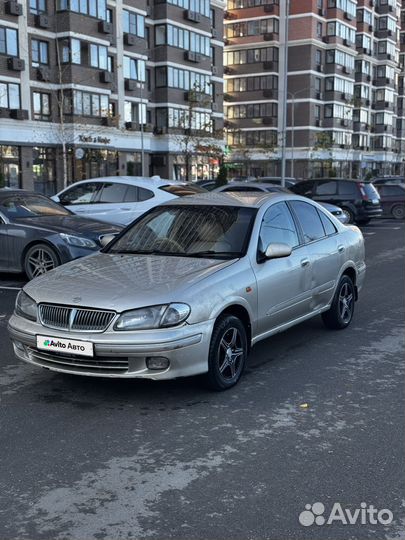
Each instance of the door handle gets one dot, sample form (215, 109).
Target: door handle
(341, 249)
(304, 262)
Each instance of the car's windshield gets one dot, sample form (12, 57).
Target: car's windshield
(189, 231)
(27, 206)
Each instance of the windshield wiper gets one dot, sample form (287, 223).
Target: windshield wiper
(143, 252)
(211, 253)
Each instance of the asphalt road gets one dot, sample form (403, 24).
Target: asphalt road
(86, 458)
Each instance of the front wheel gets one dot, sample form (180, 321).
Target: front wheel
(227, 354)
(341, 311)
(39, 260)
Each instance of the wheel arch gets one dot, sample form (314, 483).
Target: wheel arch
(351, 273)
(39, 242)
(239, 311)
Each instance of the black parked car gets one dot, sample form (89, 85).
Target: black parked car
(358, 200)
(37, 234)
(392, 200)
(380, 180)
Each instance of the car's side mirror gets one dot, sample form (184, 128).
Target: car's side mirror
(277, 251)
(106, 239)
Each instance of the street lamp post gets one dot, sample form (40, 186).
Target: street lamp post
(292, 96)
(142, 129)
(285, 92)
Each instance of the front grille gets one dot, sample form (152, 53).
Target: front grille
(77, 363)
(79, 319)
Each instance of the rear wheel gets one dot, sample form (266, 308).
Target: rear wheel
(340, 314)
(349, 214)
(398, 211)
(39, 260)
(227, 354)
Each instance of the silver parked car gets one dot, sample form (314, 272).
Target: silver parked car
(190, 286)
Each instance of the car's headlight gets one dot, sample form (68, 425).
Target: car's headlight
(153, 317)
(25, 306)
(78, 241)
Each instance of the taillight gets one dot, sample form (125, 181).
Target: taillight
(363, 192)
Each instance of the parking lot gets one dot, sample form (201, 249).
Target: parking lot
(318, 417)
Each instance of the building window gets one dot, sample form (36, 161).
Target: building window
(199, 6)
(37, 6)
(182, 38)
(135, 112)
(39, 52)
(41, 106)
(134, 69)
(86, 104)
(98, 56)
(256, 27)
(9, 95)
(8, 41)
(94, 8)
(71, 51)
(133, 23)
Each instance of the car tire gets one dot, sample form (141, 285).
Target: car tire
(39, 259)
(227, 354)
(398, 211)
(348, 213)
(340, 314)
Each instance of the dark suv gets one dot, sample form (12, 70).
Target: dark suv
(358, 200)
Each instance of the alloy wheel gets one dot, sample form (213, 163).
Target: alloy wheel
(40, 261)
(230, 354)
(346, 299)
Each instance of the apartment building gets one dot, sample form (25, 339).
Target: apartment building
(345, 89)
(108, 87)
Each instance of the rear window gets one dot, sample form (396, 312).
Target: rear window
(369, 191)
(181, 190)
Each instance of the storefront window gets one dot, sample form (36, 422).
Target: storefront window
(95, 163)
(10, 166)
(43, 170)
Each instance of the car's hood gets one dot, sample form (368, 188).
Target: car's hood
(121, 282)
(69, 224)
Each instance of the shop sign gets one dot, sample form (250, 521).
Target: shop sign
(92, 139)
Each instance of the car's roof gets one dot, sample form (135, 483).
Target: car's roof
(333, 179)
(141, 181)
(7, 192)
(248, 199)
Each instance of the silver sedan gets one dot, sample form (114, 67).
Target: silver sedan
(190, 287)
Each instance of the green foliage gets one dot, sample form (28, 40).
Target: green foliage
(131, 168)
(222, 177)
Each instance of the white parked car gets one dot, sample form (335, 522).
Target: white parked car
(121, 199)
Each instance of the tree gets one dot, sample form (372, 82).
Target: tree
(324, 143)
(195, 129)
(222, 177)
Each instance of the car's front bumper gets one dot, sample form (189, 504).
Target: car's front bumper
(118, 354)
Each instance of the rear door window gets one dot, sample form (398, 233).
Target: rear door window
(309, 220)
(328, 226)
(112, 193)
(347, 188)
(326, 188)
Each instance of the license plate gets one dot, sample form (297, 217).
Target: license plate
(67, 346)
(375, 201)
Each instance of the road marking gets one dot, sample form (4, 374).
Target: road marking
(10, 288)
(369, 234)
